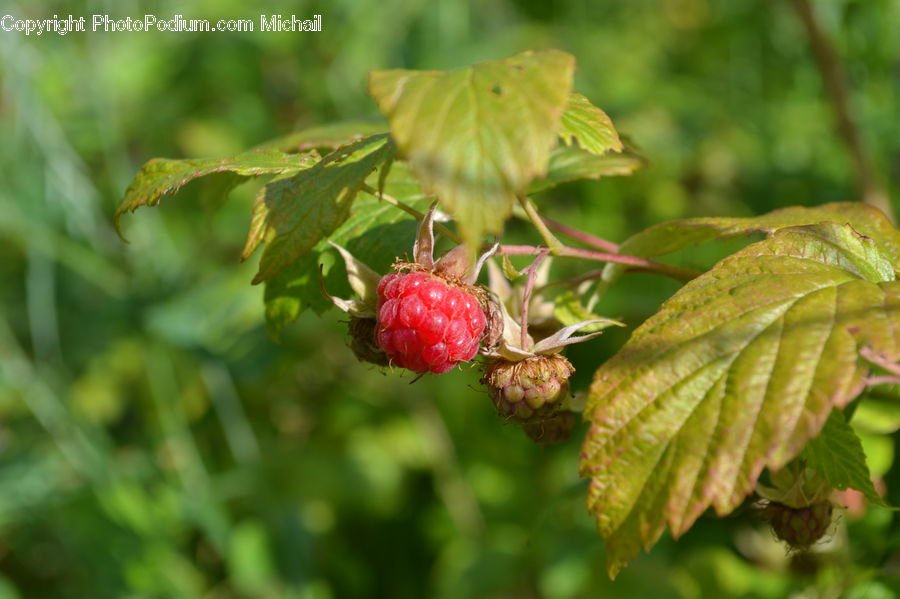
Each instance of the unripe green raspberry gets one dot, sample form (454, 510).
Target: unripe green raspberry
(800, 527)
(530, 390)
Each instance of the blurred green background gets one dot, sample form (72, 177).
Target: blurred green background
(155, 442)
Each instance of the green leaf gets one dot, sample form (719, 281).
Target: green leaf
(476, 137)
(837, 455)
(734, 373)
(568, 310)
(162, 177)
(329, 136)
(291, 215)
(569, 163)
(590, 128)
(376, 232)
(675, 235)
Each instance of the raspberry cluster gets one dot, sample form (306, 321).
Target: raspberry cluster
(425, 324)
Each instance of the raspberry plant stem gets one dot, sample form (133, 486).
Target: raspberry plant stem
(886, 379)
(586, 238)
(526, 294)
(637, 263)
(549, 238)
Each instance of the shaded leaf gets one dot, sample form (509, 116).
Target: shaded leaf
(734, 373)
(291, 215)
(837, 455)
(161, 177)
(590, 128)
(569, 163)
(476, 137)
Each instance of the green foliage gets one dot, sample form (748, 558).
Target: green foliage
(162, 177)
(569, 163)
(735, 372)
(590, 128)
(147, 423)
(293, 214)
(666, 238)
(569, 310)
(477, 137)
(838, 456)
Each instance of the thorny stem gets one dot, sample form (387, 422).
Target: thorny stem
(675, 272)
(868, 185)
(552, 242)
(587, 238)
(526, 294)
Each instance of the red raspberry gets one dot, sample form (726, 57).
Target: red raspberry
(424, 324)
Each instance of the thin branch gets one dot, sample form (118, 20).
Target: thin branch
(586, 238)
(869, 188)
(880, 360)
(886, 379)
(636, 263)
(549, 238)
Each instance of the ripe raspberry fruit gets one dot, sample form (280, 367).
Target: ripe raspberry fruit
(530, 390)
(799, 527)
(426, 324)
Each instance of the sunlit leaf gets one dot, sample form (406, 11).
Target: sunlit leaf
(569, 163)
(291, 215)
(476, 137)
(162, 177)
(734, 373)
(589, 127)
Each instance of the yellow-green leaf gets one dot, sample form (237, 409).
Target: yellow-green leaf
(476, 137)
(291, 215)
(161, 177)
(589, 127)
(734, 373)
